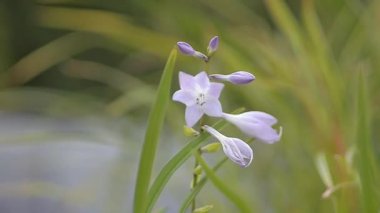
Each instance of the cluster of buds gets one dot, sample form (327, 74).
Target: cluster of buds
(201, 97)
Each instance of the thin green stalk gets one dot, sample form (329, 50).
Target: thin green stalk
(152, 134)
(230, 194)
(194, 192)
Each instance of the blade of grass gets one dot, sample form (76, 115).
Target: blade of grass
(366, 161)
(186, 203)
(155, 122)
(175, 162)
(52, 53)
(230, 194)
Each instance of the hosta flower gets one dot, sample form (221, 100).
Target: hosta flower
(239, 77)
(234, 148)
(199, 95)
(187, 49)
(256, 124)
(213, 45)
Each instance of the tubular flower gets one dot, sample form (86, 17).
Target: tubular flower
(256, 124)
(239, 77)
(199, 95)
(235, 149)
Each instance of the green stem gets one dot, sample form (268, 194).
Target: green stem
(231, 195)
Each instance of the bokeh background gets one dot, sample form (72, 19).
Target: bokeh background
(77, 80)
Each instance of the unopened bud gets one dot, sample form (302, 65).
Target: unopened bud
(203, 209)
(189, 132)
(239, 77)
(212, 147)
(198, 170)
(213, 45)
(185, 48)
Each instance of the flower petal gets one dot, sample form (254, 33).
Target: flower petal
(256, 124)
(213, 108)
(192, 115)
(238, 151)
(202, 80)
(186, 81)
(215, 89)
(184, 97)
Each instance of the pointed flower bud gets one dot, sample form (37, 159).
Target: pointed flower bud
(203, 209)
(239, 77)
(256, 124)
(189, 132)
(235, 149)
(198, 170)
(185, 48)
(212, 147)
(213, 45)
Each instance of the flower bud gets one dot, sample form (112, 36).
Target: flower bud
(234, 148)
(185, 48)
(203, 209)
(239, 77)
(189, 132)
(210, 148)
(198, 170)
(213, 45)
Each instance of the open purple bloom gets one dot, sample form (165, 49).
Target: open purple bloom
(256, 124)
(199, 95)
(239, 77)
(213, 45)
(234, 148)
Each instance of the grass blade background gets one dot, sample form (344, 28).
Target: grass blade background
(155, 122)
(366, 163)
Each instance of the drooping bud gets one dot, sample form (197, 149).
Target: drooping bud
(239, 77)
(213, 45)
(256, 124)
(185, 48)
(210, 148)
(200, 56)
(234, 148)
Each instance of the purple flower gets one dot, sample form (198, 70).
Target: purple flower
(213, 45)
(187, 49)
(199, 95)
(239, 77)
(257, 125)
(234, 148)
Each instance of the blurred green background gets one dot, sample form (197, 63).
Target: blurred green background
(317, 70)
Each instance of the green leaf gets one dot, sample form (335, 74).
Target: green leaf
(230, 194)
(366, 162)
(152, 134)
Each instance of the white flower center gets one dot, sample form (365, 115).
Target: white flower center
(201, 99)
